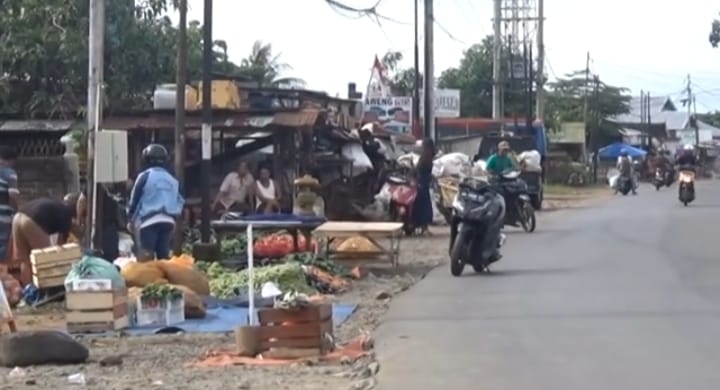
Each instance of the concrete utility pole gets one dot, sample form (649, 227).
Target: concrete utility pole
(180, 94)
(429, 84)
(96, 47)
(497, 61)
(206, 136)
(417, 132)
(540, 93)
(585, 102)
(690, 104)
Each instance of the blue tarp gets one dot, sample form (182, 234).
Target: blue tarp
(615, 150)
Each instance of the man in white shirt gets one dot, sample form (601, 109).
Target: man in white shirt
(236, 191)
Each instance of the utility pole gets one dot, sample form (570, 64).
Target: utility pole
(642, 111)
(180, 94)
(417, 132)
(540, 83)
(596, 126)
(206, 120)
(429, 87)
(649, 121)
(690, 104)
(96, 49)
(585, 101)
(497, 62)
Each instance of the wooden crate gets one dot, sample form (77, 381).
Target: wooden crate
(96, 311)
(51, 265)
(303, 328)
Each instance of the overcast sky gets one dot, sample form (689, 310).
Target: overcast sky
(639, 44)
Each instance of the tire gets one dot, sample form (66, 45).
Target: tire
(478, 269)
(457, 266)
(685, 203)
(536, 200)
(527, 218)
(409, 230)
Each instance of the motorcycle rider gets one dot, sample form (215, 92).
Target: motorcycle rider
(625, 166)
(500, 161)
(687, 158)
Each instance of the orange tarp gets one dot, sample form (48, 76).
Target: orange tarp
(220, 358)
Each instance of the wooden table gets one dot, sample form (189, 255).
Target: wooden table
(372, 231)
(239, 226)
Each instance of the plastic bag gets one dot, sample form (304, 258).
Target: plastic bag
(452, 164)
(142, 274)
(90, 267)
(532, 160)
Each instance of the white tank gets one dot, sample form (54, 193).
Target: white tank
(164, 97)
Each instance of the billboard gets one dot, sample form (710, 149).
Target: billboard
(394, 112)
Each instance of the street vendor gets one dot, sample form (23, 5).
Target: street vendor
(236, 191)
(32, 228)
(111, 219)
(267, 194)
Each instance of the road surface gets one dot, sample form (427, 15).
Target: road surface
(625, 295)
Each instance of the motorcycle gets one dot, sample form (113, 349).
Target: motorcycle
(686, 189)
(663, 177)
(624, 184)
(520, 212)
(475, 231)
(403, 193)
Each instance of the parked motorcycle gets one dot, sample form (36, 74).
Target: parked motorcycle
(686, 188)
(475, 231)
(520, 212)
(403, 193)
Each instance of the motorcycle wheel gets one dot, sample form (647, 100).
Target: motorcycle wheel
(685, 203)
(527, 218)
(479, 269)
(457, 266)
(657, 187)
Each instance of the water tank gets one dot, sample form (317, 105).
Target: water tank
(164, 97)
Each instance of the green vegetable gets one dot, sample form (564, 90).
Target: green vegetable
(160, 292)
(324, 264)
(288, 277)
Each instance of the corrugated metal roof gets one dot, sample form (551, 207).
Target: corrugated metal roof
(39, 125)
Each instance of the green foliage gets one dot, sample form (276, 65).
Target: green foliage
(401, 80)
(566, 98)
(474, 78)
(44, 55)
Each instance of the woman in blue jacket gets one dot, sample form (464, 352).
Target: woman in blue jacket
(155, 203)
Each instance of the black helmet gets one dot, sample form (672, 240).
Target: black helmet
(155, 155)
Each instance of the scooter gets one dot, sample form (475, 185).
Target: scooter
(520, 212)
(686, 189)
(403, 193)
(475, 231)
(624, 185)
(659, 179)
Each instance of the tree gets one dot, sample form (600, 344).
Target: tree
(265, 68)
(714, 37)
(474, 78)
(566, 98)
(44, 54)
(401, 80)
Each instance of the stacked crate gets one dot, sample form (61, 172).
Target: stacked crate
(299, 332)
(94, 306)
(51, 265)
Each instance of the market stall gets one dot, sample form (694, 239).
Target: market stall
(375, 232)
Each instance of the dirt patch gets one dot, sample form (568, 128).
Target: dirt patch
(576, 198)
(163, 361)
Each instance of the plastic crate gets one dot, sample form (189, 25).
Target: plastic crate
(159, 313)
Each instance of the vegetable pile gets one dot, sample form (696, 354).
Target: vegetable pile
(288, 277)
(160, 292)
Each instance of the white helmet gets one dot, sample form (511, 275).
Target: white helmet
(688, 147)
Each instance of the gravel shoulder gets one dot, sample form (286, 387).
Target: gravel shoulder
(165, 361)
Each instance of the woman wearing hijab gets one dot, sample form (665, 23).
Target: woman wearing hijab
(422, 209)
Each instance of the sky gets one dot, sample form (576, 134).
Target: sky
(328, 49)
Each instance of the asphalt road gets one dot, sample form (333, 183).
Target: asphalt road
(625, 295)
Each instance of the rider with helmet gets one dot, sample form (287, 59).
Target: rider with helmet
(687, 159)
(625, 166)
(155, 203)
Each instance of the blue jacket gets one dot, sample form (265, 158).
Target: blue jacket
(155, 192)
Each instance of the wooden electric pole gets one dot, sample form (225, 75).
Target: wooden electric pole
(180, 95)
(417, 132)
(585, 100)
(497, 62)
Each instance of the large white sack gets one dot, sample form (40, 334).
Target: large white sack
(479, 169)
(409, 160)
(361, 162)
(452, 164)
(532, 160)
